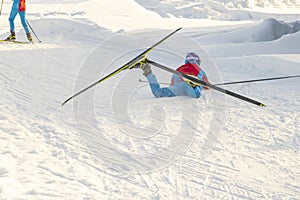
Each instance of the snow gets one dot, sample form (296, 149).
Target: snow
(267, 30)
(116, 141)
(225, 10)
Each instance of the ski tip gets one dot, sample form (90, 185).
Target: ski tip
(262, 105)
(64, 102)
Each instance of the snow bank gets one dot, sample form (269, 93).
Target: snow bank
(57, 30)
(223, 9)
(267, 30)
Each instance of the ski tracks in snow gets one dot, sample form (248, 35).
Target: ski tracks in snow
(43, 156)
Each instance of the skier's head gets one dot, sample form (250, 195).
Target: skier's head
(192, 58)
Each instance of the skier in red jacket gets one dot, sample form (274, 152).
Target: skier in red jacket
(19, 6)
(178, 86)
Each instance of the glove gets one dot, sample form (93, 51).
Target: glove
(191, 83)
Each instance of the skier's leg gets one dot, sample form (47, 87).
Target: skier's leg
(157, 91)
(13, 13)
(23, 21)
(25, 25)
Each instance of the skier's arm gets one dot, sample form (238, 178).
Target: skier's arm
(203, 77)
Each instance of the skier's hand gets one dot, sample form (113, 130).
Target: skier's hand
(191, 83)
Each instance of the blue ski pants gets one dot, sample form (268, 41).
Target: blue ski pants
(180, 88)
(157, 91)
(13, 13)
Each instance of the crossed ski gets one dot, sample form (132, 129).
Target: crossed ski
(128, 65)
(142, 58)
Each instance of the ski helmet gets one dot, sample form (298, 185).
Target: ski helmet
(192, 58)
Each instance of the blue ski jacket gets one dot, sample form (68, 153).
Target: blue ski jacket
(178, 86)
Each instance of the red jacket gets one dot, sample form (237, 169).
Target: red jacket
(22, 6)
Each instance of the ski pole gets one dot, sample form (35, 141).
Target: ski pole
(33, 32)
(257, 80)
(238, 82)
(143, 81)
(1, 7)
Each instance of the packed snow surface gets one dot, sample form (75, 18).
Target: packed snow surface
(116, 141)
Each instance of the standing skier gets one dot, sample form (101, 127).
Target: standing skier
(19, 6)
(178, 86)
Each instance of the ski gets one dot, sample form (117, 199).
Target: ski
(129, 65)
(15, 41)
(196, 80)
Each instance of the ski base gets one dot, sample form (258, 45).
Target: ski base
(15, 41)
(140, 58)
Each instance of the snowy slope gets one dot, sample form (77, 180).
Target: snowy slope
(117, 141)
(224, 9)
(268, 30)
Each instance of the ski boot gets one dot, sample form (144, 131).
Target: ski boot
(12, 36)
(29, 37)
(145, 67)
